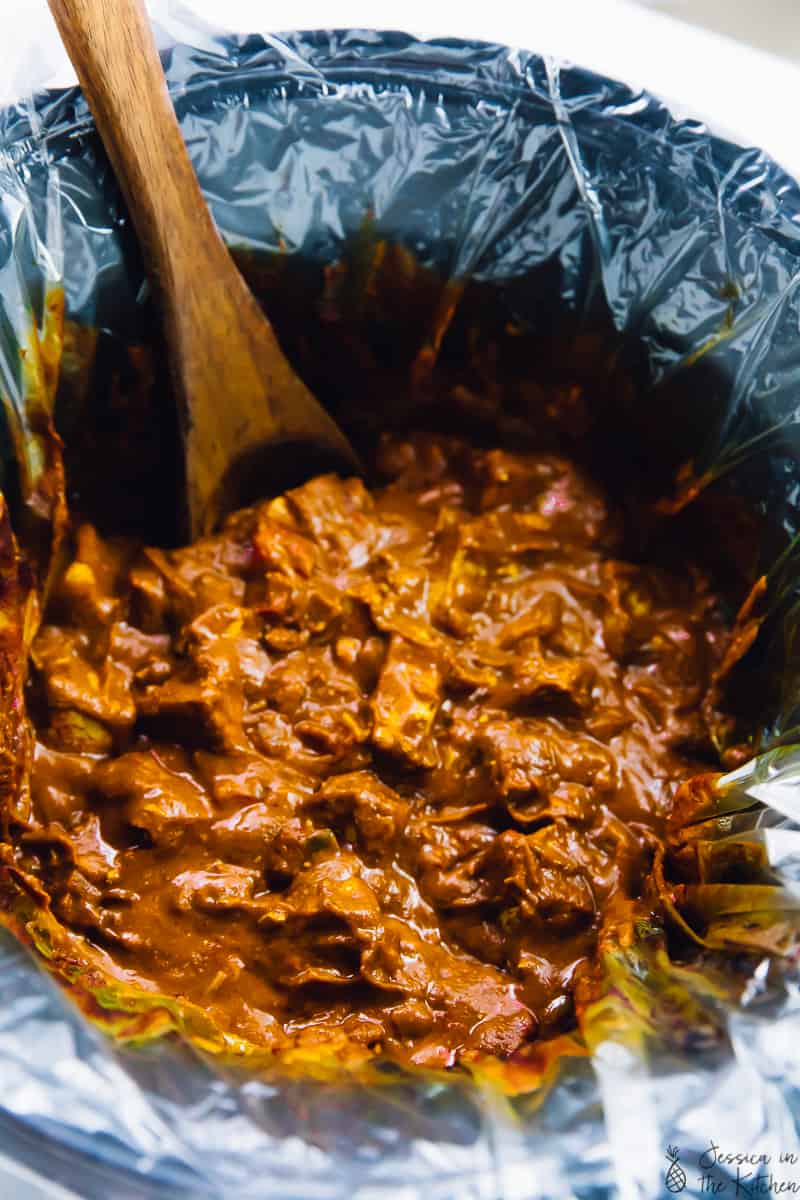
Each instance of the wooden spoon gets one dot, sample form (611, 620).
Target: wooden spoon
(239, 398)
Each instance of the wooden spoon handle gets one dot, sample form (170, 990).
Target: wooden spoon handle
(115, 56)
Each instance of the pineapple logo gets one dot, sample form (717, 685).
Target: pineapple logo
(675, 1177)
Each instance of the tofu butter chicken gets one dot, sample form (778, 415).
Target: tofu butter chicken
(370, 768)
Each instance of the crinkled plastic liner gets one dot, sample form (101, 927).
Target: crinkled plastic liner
(500, 166)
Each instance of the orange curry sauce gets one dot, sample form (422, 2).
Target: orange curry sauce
(369, 765)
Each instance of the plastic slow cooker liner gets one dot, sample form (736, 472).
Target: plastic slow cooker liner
(582, 207)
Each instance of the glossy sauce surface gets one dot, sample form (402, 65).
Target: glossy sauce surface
(369, 767)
